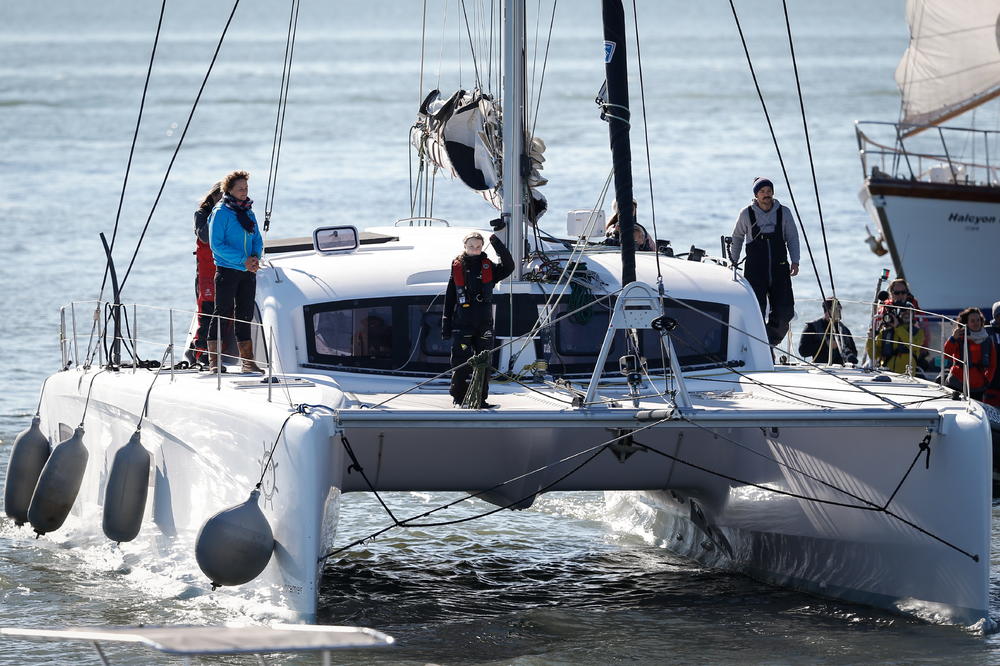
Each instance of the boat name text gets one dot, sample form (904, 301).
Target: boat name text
(972, 219)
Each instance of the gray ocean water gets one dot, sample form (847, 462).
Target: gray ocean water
(559, 583)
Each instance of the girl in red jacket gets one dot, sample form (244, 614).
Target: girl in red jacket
(982, 358)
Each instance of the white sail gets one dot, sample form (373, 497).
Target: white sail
(953, 61)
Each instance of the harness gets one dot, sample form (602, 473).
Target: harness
(461, 277)
(755, 232)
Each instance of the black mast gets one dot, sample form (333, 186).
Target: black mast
(616, 112)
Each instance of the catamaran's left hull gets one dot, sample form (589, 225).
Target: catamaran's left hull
(209, 448)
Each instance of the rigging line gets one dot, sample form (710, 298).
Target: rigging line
(356, 464)
(180, 143)
(873, 508)
(534, 51)
(408, 522)
(444, 30)
(145, 403)
(423, 44)
(914, 29)
(812, 165)
(489, 48)
(712, 317)
(135, 137)
(270, 455)
(86, 403)
(545, 62)
(549, 305)
(279, 121)
(791, 395)
(645, 134)
(922, 397)
(774, 139)
(472, 46)
(492, 351)
(790, 468)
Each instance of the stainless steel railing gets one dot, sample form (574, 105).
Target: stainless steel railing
(961, 155)
(161, 324)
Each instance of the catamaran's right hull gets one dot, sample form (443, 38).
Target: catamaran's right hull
(931, 558)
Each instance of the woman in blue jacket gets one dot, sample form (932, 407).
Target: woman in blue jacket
(236, 247)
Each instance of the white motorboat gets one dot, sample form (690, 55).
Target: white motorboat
(870, 487)
(931, 189)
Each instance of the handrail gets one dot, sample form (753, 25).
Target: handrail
(70, 357)
(919, 319)
(424, 218)
(981, 173)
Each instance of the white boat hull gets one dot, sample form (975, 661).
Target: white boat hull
(208, 452)
(941, 238)
(936, 567)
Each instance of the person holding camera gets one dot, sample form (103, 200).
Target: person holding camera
(896, 335)
(828, 340)
(982, 354)
(643, 241)
(468, 308)
(768, 229)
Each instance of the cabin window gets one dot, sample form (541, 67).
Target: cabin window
(701, 336)
(403, 334)
(398, 334)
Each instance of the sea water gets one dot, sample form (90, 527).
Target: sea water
(560, 582)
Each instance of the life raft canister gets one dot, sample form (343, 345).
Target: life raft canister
(459, 275)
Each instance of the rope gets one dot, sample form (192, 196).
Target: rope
(472, 47)
(491, 351)
(145, 402)
(545, 62)
(868, 506)
(135, 137)
(645, 134)
(298, 410)
(121, 199)
(279, 121)
(180, 143)
(86, 403)
(812, 166)
(409, 522)
(474, 395)
(774, 139)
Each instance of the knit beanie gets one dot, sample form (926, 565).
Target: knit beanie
(996, 311)
(761, 182)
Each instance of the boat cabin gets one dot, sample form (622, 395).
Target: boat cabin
(372, 303)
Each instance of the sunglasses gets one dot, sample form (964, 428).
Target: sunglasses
(899, 293)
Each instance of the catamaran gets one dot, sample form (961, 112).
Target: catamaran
(638, 373)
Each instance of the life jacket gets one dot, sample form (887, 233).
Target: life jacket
(982, 364)
(460, 275)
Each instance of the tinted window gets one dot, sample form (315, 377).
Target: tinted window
(398, 334)
(701, 336)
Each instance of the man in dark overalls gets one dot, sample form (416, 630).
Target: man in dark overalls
(768, 229)
(468, 308)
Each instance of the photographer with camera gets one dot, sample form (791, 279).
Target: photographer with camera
(982, 358)
(895, 335)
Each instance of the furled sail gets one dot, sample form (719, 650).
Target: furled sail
(462, 136)
(952, 64)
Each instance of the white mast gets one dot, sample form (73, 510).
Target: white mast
(513, 130)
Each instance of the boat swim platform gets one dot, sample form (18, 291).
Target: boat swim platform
(191, 641)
